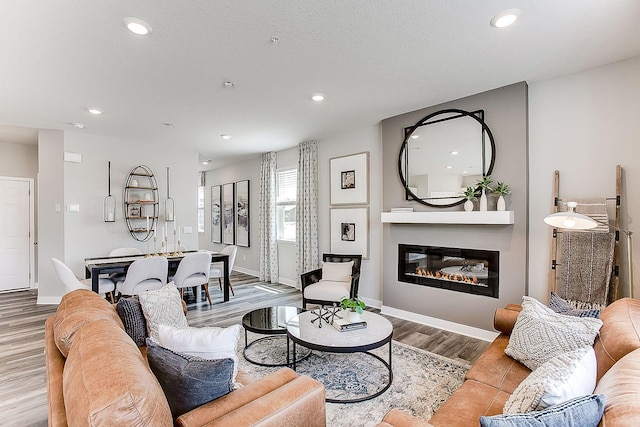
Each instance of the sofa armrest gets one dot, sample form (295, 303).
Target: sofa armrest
(54, 361)
(505, 318)
(310, 277)
(398, 418)
(281, 398)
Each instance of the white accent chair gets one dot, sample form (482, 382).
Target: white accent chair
(193, 271)
(72, 282)
(217, 270)
(146, 274)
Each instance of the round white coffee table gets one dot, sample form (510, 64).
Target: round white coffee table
(378, 332)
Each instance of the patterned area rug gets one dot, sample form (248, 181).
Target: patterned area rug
(422, 381)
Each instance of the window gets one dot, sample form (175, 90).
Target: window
(201, 209)
(286, 204)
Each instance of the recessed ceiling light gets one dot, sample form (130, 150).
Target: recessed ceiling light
(506, 18)
(317, 97)
(449, 167)
(465, 171)
(138, 26)
(77, 125)
(95, 111)
(205, 162)
(453, 153)
(225, 136)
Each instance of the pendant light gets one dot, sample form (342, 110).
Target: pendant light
(109, 202)
(168, 204)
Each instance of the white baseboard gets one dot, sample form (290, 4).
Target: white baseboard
(446, 325)
(246, 271)
(48, 300)
(288, 282)
(371, 302)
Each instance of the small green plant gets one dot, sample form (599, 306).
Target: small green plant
(471, 194)
(353, 304)
(502, 189)
(485, 183)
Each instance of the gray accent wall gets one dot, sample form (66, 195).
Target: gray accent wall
(507, 117)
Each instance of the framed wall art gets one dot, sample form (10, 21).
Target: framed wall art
(242, 213)
(350, 231)
(228, 214)
(216, 214)
(350, 179)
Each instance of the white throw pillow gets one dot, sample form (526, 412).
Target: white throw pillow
(540, 334)
(208, 342)
(162, 306)
(337, 271)
(564, 377)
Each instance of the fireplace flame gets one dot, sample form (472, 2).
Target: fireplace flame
(446, 276)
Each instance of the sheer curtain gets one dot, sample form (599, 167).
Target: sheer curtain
(307, 208)
(267, 234)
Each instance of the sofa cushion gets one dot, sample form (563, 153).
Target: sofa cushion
(189, 381)
(337, 271)
(135, 325)
(620, 333)
(564, 377)
(561, 306)
(106, 381)
(207, 342)
(540, 334)
(621, 385)
(77, 309)
(162, 307)
(496, 369)
(583, 411)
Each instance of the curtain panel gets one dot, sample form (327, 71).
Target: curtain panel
(307, 208)
(267, 235)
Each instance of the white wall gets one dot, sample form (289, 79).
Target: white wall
(19, 160)
(85, 184)
(583, 125)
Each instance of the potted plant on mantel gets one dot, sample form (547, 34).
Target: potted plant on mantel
(353, 307)
(502, 189)
(470, 194)
(485, 185)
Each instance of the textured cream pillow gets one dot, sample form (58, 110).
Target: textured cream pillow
(162, 307)
(208, 342)
(562, 378)
(540, 334)
(337, 271)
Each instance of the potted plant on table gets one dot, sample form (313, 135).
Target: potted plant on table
(353, 307)
(470, 194)
(502, 189)
(485, 185)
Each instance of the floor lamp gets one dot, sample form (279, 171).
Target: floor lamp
(576, 221)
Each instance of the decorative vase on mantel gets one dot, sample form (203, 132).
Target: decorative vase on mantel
(468, 206)
(501, 205)
(483, 201)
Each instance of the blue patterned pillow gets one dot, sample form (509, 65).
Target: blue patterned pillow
(584, 411)
(189, 381)
(561, 306)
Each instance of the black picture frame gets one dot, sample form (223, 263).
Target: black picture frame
(243, 213)
(216, 214)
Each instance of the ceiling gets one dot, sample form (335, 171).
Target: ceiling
(371, 58)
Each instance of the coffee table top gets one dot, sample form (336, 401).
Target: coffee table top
(378, 332)
(269, 320)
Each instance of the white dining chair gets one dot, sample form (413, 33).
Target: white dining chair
(72, 282)
(125, 251)
(193, 271)
(217, 269)
(146, 274)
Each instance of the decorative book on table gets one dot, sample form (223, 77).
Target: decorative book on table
(345, 325)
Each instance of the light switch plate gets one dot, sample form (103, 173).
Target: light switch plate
(187, 230)
(73, 207)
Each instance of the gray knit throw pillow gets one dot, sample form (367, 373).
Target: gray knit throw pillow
(561, 306)
(130, 312)
(540, 334)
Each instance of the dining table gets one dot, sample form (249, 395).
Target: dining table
(94, 267)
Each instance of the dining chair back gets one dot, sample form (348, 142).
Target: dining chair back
(125, 251)
(217, 270)
(193, 271)
(145, 274)
(72, 282)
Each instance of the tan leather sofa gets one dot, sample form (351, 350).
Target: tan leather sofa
(96, 375)
(494, 376)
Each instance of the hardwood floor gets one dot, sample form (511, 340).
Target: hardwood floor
(23, 400)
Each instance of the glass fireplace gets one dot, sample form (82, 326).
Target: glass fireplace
(471, 271)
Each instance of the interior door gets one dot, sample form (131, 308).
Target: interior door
(14, 234)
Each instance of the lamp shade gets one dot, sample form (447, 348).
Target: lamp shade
(570, 219)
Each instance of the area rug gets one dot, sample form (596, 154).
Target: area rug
(422, 381)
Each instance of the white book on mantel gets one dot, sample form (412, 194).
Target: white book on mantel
(402, 209)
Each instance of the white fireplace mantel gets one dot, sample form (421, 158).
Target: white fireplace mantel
(449, 217)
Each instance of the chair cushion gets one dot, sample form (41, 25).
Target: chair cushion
(189, 381)
(163, 306)
(327, 290)
(77, 309)
(194, 280)
(135, 325)
(104, 285)
(207, 343)
(540, 334)
(337, 271)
